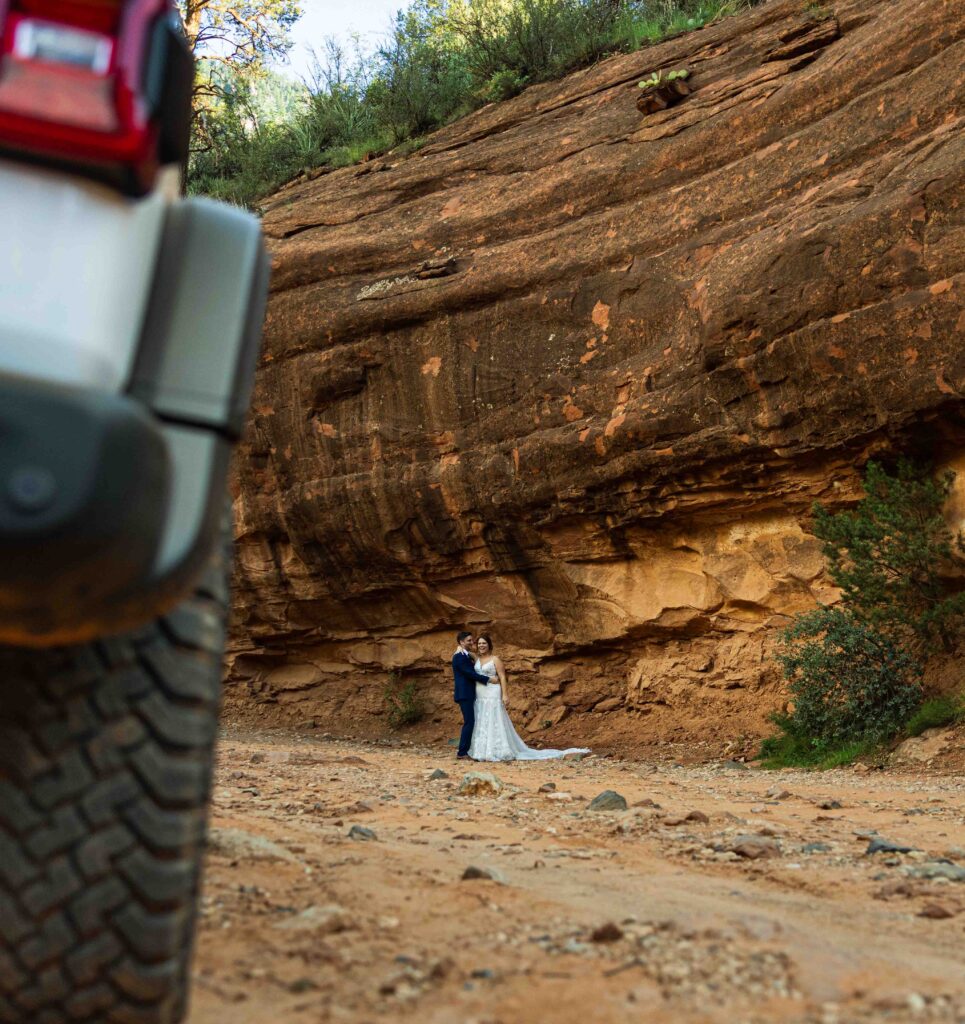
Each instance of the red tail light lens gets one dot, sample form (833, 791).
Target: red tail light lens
(80, 86)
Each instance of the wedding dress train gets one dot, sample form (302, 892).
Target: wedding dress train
(494, 738)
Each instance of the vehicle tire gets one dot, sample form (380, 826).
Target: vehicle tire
(106, 755)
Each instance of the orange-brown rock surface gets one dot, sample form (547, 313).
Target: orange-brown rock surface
(576, 375)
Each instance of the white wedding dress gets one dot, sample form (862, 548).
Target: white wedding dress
(494, 738)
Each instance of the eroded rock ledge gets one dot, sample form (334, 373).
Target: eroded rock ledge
(575, 375)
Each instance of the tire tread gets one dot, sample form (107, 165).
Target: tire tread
(105, 775)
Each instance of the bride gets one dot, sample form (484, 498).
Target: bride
(494, 738)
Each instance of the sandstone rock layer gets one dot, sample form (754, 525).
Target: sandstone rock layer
(575, 375)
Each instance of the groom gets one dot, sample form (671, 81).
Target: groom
(465, 676)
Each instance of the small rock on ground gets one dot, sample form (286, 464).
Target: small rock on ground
(326, 920)
(937, 869)
(680, 819)
(608, 932)
(608, 800)
(480, 784)
(936, 911)
(361, 832)
(881, 845)
(752, 847)
(238, 844)
(487, 874)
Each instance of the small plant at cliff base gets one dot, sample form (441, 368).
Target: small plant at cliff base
(936, 713)
(404, 705)
(854, 670)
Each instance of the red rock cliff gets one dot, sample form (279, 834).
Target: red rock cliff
(576, 375)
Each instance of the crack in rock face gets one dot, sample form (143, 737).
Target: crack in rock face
(575, 378)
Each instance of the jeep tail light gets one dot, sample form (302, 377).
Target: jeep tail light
(102, 87)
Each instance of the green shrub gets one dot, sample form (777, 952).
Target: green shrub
(647, 23)
(419, 81)
(535, 39)
(854, 670)
(848, 682)
(888, 557)
(403, 703)
(504, 85)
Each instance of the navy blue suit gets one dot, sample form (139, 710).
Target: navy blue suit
(465, 677)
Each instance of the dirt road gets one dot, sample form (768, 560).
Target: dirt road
(762, 905)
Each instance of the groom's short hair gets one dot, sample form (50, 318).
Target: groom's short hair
(462, 636)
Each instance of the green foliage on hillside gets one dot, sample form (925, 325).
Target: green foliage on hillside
(854, 669)
(441, 59)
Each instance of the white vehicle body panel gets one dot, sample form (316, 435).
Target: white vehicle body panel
(76, 266)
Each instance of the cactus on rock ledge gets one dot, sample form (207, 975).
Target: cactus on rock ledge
(660, 92)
